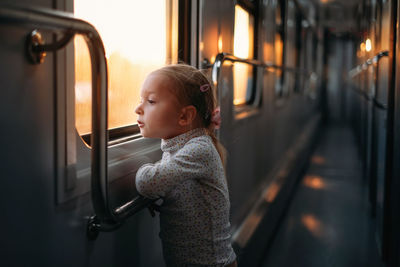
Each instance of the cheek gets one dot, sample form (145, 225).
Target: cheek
(167, 113)
(165, 120)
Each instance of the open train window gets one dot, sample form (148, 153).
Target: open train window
(139, 37)
(244, 74)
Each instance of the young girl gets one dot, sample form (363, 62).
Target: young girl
(178, 106)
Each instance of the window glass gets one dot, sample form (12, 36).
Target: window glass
(278, 62)
(139, 36)
(290, 58)
(279, 48)
(243, 48)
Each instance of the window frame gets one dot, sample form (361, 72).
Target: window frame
(289, 80)
(281, 31)
(185, 54)
(252, 7)
(299, 80)
(73, 149)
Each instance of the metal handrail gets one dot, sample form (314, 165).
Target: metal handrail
(221, 57)
(357, 70)
(379, 104)
(105, 218)
(364, 66)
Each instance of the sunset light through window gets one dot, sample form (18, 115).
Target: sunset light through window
(243, 48)
(139, 37)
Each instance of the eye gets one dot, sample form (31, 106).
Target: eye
(151, 101)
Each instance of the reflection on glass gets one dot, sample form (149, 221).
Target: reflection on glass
(243, 48)
(139, 36)
(278, 62)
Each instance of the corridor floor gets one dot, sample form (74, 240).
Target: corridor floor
(328, 222)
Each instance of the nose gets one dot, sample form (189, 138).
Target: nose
(138, 109)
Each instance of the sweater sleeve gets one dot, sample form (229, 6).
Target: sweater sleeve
(158, 179)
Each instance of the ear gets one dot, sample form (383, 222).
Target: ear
(188, 115)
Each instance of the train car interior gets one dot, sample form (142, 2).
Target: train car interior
(309, 97)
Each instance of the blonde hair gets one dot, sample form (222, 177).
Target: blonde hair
(187, 81)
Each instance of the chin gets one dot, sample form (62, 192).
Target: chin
(143, 133)
(147, 135)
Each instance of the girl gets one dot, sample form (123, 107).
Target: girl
(178, 106)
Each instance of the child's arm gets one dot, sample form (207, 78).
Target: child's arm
(156, 180)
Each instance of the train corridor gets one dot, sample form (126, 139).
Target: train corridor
(328, 222)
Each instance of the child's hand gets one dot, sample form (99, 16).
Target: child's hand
(152, 208)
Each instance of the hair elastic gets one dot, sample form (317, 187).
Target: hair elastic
(205, 87)
(216, 118)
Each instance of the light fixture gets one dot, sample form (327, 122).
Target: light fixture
(362, 47)
(368, 45)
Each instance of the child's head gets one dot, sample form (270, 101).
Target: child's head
(174, 100)
(191, 87)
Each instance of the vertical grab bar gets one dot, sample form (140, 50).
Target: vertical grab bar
(105, 219)
(376, 60)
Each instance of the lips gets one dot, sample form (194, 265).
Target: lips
(140, 124)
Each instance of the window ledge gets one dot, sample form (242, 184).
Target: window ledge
(246, 112)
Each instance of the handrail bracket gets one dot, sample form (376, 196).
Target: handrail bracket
(36, 46)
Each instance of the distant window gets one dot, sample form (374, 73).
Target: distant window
(279, 18)
(278, 62)
(290, 48)
(139, 37)
(244, 48)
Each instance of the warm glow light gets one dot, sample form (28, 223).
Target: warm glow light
(212, 59)
(201, 46)
(138, 36)
(242, 47)
(272, 192)
(241, 40)
(131, 28)
(83, 92)
(312, 224)
(220, 44)
(268, 52)
(368, 45)
(314, 182)
(362, 47)
(318, 160)
(278, 52)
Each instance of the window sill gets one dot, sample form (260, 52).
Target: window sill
(245, 112)
(117, 135)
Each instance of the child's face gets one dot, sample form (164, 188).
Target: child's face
(159, 109)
